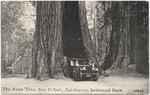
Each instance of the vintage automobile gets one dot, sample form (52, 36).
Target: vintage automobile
(82, 69)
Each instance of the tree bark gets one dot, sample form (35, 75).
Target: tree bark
(141, 38)
(47, 45)
(132, 47)
(87, 40)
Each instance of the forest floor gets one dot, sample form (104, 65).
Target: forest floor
(119, 82)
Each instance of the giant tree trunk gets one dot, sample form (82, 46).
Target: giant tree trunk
(114, 37)
(123, 54)
(121, 44)
(142, 38)
(87, 40)
(47, 45)
(129, 36)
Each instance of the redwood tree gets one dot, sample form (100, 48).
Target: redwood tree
(122, 34)
(47, 51)
(47, 45)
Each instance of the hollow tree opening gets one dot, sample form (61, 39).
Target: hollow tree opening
(72, 37)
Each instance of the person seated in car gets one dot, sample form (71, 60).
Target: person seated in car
(92, 64)
(77, 63)
(71, 63)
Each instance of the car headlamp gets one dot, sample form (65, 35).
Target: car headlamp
(84, 68)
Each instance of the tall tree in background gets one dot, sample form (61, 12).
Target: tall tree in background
(123, 34)
(17, 19)
(141, 37)
(131, 35)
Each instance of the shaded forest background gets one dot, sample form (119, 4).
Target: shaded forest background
(17, 30)
(115, 35)
(120, 34)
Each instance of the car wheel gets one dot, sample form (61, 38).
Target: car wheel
(76, 77)
(95, 77)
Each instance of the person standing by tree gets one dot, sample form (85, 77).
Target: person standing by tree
(65, 67)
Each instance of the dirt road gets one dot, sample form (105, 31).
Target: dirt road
(118, 82)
